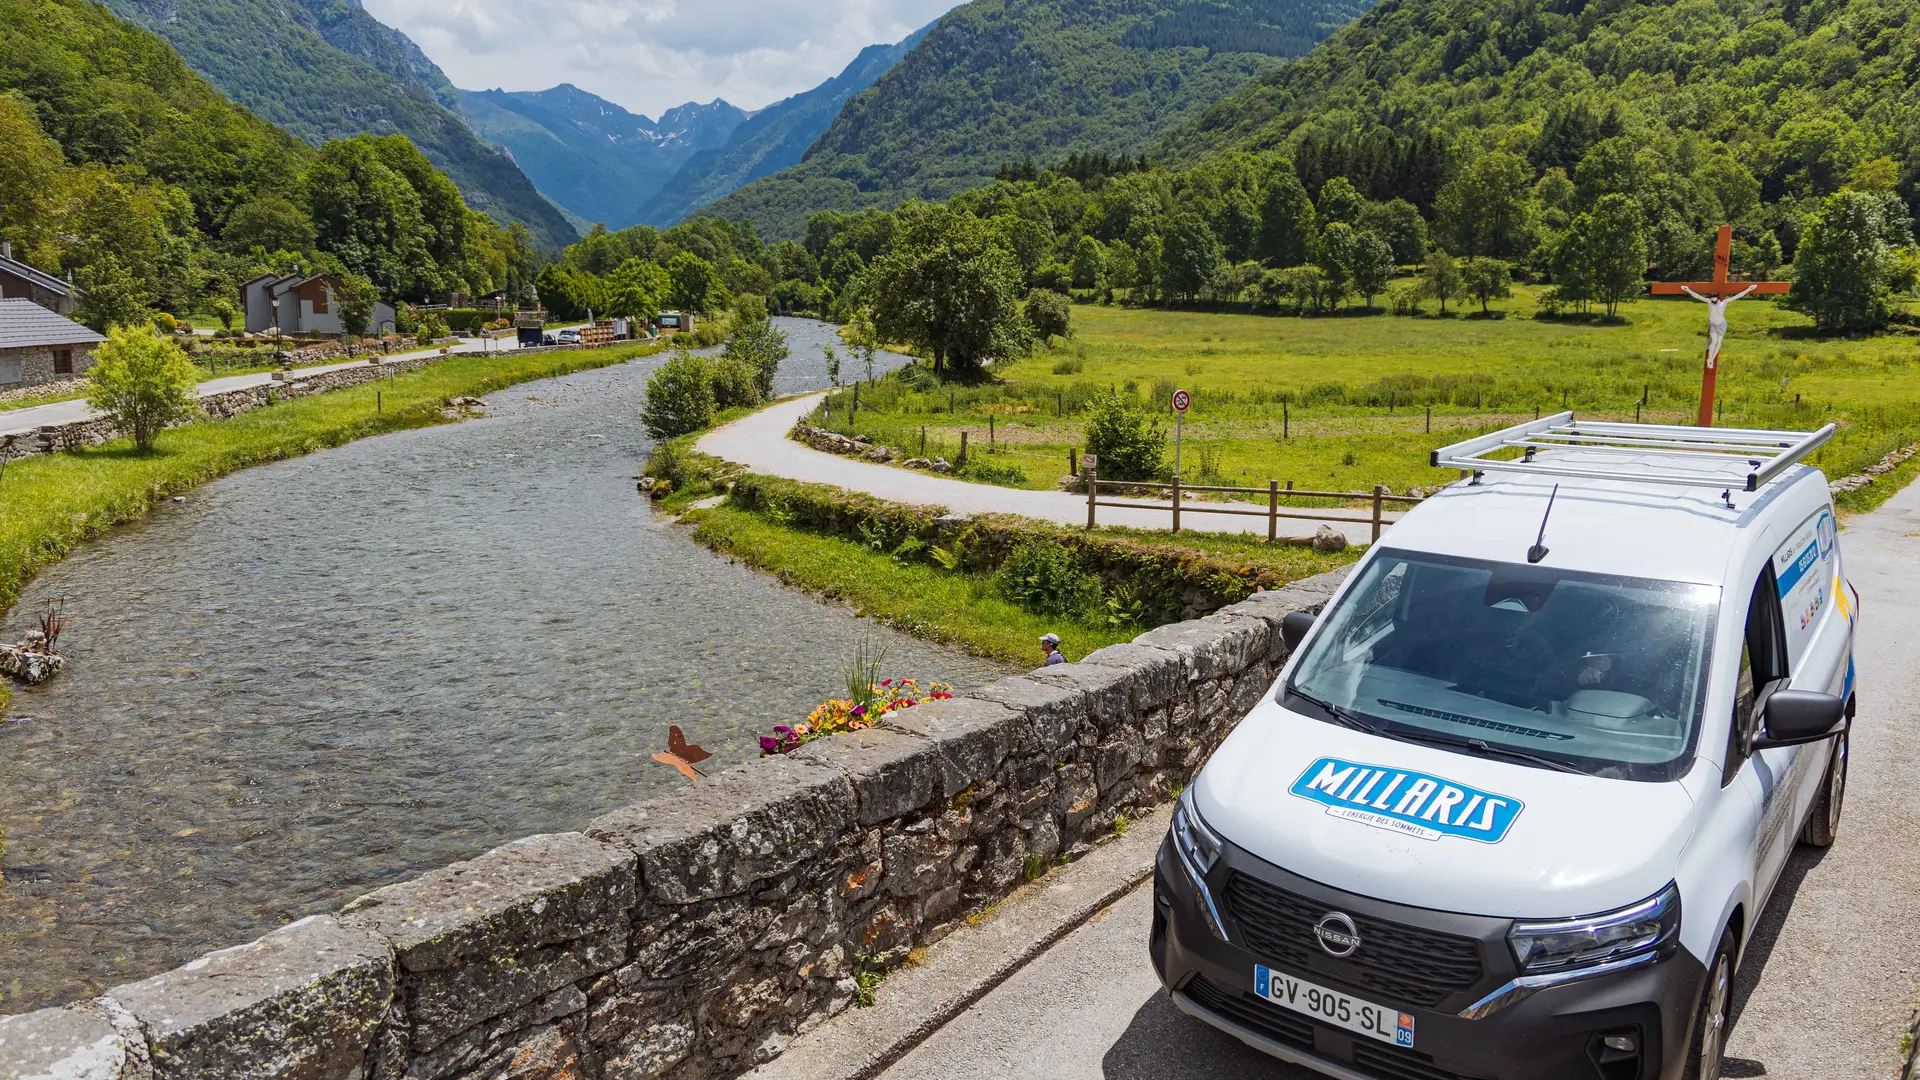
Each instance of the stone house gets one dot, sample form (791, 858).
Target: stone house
(300, 304)
(19, 281)
(39, 346)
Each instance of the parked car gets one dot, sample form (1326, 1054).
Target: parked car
(569, 337)
(1519, 796)
(549, 339)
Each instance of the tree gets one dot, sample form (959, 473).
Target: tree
(864, 339)
(270, 223)
(1603, 254)
(1089, 266)
(142, 383)
(691, 282)
(224, 311)
(1050, 314)
(1339, 201)
(1440, 278)
(948, 289)
(1129, 443)
(1488, 208)
(636, 290)
(833, 365)
(1286, 220)
(734, 384)
(679, 397)
(1336, 254)
(1373, 266)
(1487, 279)
(1843, 270)
(759, 346)
(1399, 223)
(110, 295)
(1189, 256)
(356, 298)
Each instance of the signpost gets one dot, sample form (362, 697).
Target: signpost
(1181, 400)
(1717, 294)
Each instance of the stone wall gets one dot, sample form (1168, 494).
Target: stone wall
(694, 935)
(82, 433)
(35, 364)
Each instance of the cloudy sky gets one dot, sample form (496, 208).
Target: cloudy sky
(650, 55)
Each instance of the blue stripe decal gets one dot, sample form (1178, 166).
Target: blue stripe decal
(1799, 568)
(1407, 802)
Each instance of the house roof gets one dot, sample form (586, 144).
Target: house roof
(24, 324)
(294, 281)
(40, 278)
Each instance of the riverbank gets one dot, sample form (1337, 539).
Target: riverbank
(51, 502)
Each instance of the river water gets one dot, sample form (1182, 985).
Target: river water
(317, 677)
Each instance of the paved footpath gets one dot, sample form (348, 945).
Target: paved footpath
(1824, 994)
(14, 421)
(760, 442)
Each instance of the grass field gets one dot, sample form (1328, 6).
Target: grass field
(1351, 400)
(51, 502)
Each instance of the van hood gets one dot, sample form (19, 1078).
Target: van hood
(1415, 824)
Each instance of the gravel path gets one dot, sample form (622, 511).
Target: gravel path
(1825, 991)
(760, 442)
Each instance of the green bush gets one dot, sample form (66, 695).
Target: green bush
(1042, 575)
(142, 382)
(1050, 314)
(1130, 444)
(984, 469)
(734, 383)
(679, 397)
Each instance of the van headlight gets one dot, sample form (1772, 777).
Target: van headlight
(1650, 926)
(1198, 848)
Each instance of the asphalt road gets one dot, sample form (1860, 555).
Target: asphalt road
(760, 442)
(1824, 994)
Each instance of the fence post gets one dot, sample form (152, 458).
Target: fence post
(1273, 510)
(923, 441)
(1285, 421)
(1176, 503)
(1378, 491)
(1429, 418)
(963, 449)
(989, 429)
(853, 408)
(1073, 461)
(1093, 487)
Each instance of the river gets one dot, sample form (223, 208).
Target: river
(320, 676)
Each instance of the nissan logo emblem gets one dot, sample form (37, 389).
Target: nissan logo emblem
(1337, 934)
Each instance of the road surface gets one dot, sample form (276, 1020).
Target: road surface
(14, 421)
(760, 443)
(1824, 994)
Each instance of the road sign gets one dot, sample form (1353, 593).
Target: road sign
(1181, 399)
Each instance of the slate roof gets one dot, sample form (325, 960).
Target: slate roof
(41, 278)
(24, 324)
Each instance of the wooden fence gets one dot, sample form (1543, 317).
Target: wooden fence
(1375, 519)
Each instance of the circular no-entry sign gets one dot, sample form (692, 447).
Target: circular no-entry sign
(1181, 399)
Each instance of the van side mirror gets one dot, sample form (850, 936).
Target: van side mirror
(1794, 717)
(1295, 627)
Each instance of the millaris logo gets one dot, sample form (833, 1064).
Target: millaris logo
(1337, 934)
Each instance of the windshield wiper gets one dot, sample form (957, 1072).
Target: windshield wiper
(1340, 713)
(1478, 746)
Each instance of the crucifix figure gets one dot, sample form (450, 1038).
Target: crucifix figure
(1717, 294)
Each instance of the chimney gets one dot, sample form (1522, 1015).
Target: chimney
(6, 249)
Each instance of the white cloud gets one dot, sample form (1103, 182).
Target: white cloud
(650, 55)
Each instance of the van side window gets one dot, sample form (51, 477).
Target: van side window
(1763, 662)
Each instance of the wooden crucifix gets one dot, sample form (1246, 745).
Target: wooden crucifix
(1717, 294)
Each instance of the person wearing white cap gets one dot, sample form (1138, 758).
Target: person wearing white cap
(1050, 647)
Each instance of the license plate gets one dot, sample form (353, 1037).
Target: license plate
(1333, 1007)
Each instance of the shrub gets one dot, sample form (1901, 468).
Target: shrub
(1050, 314)
(982, 468)
(430, 329)
(1403, 297)
(1130, 444)
(679, 397)
(142, 382)
(1042, 575)
(734, 383)
(1072, 365)
(757, 346)
(165, 323)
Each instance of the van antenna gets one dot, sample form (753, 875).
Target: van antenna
(1539, 549)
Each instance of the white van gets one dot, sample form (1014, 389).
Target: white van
(1521, 792)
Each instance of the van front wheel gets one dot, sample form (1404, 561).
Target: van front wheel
(1823, 818)
(1709, 1047)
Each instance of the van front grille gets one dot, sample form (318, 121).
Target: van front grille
(1398, 964)
(1291, 1029)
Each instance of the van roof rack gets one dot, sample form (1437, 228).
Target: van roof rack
(1766, 453)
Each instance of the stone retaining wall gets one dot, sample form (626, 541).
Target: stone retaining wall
(694, 935)
(82, 433)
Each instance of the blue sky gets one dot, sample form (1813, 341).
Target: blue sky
(650, 55)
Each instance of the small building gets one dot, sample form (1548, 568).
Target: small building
(19, 281)
(674, 320)
(40, 346)
(300, 304)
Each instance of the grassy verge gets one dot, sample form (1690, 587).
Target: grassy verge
(52, 502)
(922, 600)
(1345, 401)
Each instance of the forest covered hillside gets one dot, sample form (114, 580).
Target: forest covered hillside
(325, 69)
(998, 81)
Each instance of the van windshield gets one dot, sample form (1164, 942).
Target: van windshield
(1580, 672)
